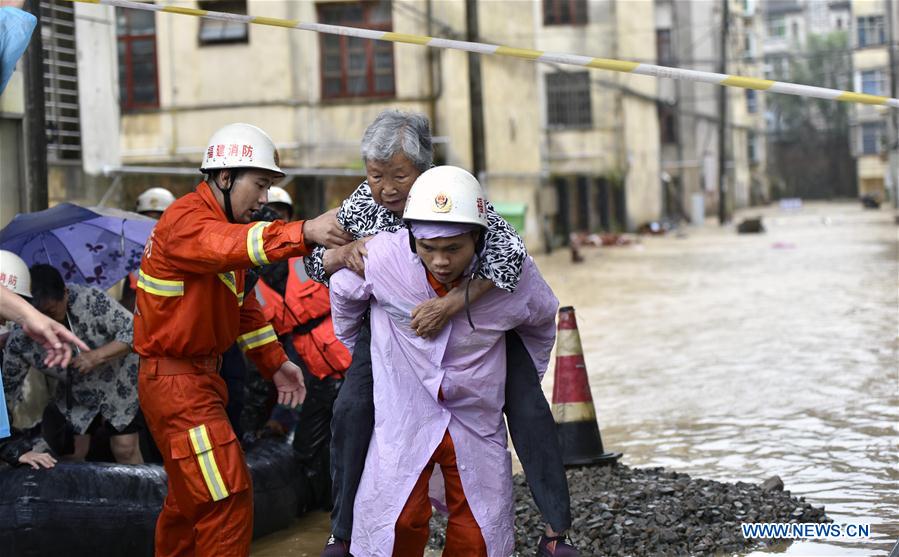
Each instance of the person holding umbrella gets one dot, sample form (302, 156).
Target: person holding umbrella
(191, 306)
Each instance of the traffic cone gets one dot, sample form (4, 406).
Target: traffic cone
(573, 408)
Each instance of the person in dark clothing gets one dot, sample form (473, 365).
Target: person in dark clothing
(299, 310)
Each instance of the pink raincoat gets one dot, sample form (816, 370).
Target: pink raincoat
(408, 371)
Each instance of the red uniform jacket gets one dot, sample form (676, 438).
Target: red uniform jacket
(190, 298)
(305, 311)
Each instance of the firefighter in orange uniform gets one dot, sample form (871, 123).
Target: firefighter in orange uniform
(190, 308)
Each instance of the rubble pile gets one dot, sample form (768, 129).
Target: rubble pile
(620, 510)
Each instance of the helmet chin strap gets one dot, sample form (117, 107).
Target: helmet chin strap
(474, 274)
(226, 193)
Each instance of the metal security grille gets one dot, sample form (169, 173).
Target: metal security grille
(60, 82)
(568, 100)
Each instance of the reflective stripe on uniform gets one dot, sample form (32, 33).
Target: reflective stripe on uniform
(230, 280)
(299, 270)
(255, 248)
(260, 296)
(159, 287)
(255, 339)
(199, 438)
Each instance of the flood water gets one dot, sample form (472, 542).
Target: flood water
(738, 357)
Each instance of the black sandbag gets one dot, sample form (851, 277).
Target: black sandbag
(273, 466)
(90, 509)
(79, 509)
(312, 442)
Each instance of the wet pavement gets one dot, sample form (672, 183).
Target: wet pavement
(737, 357)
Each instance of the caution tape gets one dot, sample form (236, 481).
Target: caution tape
(527, 54)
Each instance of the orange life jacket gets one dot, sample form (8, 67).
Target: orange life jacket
(305, 311)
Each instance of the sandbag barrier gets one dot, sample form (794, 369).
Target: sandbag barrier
(90, 509)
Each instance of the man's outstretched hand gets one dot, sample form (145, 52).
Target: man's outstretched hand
(289, 382)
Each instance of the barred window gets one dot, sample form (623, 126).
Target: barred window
(873, 82)
(61, 112)
(664, 54)
(777, 27)
(752, 105)
(667, 124)
(871, 137)
(752, 147)
(353, 67)
(568, 99)
(217, 31)
(870, 31)
(564, 12)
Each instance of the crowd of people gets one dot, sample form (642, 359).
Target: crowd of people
(405, 329)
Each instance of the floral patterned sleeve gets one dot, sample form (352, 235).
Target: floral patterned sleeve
(504, 253)
(315, 265)
(19, 356)
(361, 216)
(116, 318)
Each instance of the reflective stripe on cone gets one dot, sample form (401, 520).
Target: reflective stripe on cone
(573, 408)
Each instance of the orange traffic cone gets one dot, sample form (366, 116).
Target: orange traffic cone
(573, 408)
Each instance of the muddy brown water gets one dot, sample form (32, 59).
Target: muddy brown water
(738, 357)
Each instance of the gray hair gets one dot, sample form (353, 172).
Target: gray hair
(395, 132)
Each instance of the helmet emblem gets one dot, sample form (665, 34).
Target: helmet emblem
(442, 203)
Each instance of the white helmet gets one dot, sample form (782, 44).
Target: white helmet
(14, 273)
(154, 199)
(447, 194)
(241, 146)
(279, 195)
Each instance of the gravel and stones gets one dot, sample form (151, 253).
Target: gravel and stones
(618, 510)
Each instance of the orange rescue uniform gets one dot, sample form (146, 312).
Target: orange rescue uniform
(190, 308)
(305, 311)
(463, 534)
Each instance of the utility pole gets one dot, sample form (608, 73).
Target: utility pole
(679, 119)
(33, 197)
(893, 120)
(475, 92)
(722, 118)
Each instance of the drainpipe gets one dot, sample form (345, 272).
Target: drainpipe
(475, 91)
(434, 81)
(722, 122)
(34, 197)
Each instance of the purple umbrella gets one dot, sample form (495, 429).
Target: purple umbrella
(97, 246)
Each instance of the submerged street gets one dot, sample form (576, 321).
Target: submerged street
(739, 357)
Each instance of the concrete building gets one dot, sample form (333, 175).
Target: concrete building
(689, 36)
(810, 154)
(788, 23)
(79, 100)
(578, 150)
(599, 130)
(871, 64)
